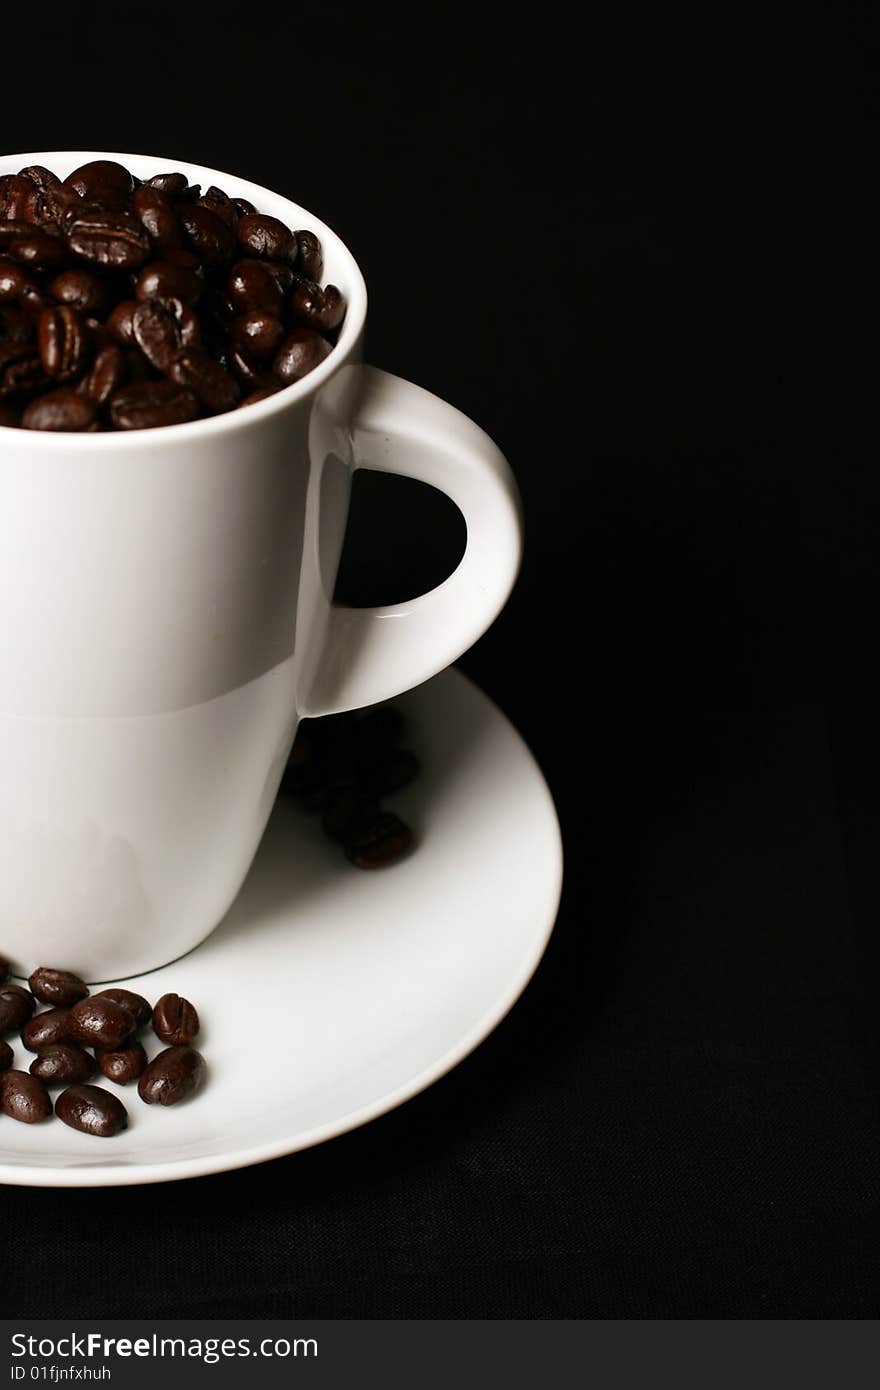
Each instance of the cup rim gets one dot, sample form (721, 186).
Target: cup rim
(77, 441)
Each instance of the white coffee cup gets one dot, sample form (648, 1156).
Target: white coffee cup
(166, 619)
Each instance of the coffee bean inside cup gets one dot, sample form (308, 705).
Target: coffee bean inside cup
(218, 304)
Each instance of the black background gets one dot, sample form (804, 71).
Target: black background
(633, 255)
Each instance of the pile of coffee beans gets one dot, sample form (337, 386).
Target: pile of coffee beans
(342, 766)
(126, 304)
(80, 1034)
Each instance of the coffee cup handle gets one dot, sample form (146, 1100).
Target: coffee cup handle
(371, 654)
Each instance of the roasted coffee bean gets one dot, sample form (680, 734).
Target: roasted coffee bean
(156, 334)
(137, 1005)
(18, 324)
(39, 250)
(207, 234)
(13, 278)
(64, 344)
(146, 405)
(243, 207)
(168, 279)
(106, 376)
(299, 354)
(6, 1055)
(283, 275)
(221, 205)
(379, 843)
(57, 987)
(62, 411)
(187, 322)
(252, 375)
(16, 1007)
(18, 195)
(120, 324)
(175, 1019)
(115, 240)
(266, 237)
(63, 1064)
(92, 1110)
(173, 1076)
(195, 369)
(158, 217)
(102, 181)
(172, 185)
(4, 970)
(81, 289)
(252, 286)
(98, 1022)
(51, 1026)
(257, 334)
(41, 176)
(20, 367)
(310, 261)
(122, 1064)
(24, 1097)
(323, 309)
(255, 396)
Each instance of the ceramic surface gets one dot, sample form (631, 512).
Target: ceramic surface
(166, 618)
(367, 987)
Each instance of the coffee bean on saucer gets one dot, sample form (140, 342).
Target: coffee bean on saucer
(58, 987)
(122, 1064)
(173, 1076)
(24, 1097)
(98, 1022)
(63, 1064)
(92, 1110)
(175, 1019)
(137, 1005)
(390, 773)
(6, 1055)
(51, 1026)
(379, 843)
(348, 812)
(16, 1007)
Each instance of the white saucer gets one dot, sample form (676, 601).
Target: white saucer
(329, 995)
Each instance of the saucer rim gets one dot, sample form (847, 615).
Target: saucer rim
(179, 1170)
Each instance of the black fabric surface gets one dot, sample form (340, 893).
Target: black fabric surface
(679, 1118)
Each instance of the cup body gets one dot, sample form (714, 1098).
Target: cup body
(161, 593)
